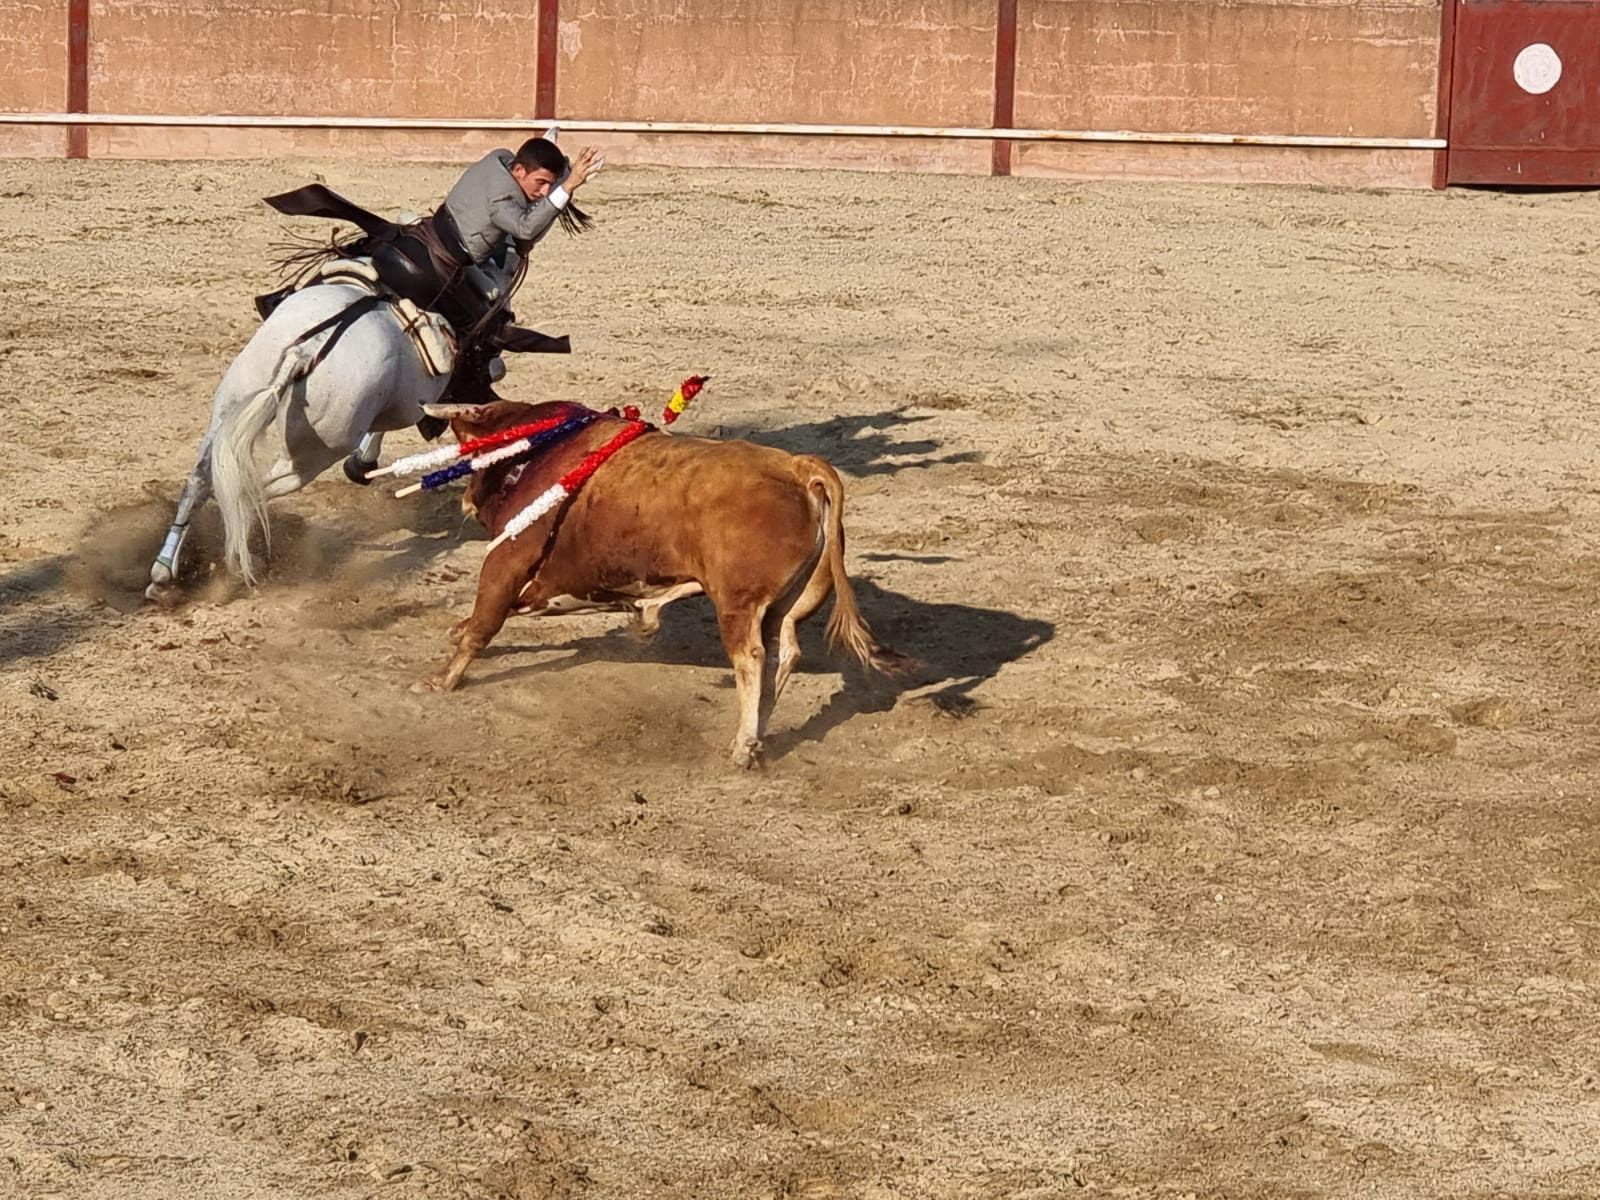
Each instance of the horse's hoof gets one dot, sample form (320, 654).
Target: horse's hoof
(356, 471)
(433, 683)
(162, 592)
(747, 756)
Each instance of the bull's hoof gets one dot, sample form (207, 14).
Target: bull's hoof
(747, 756)
(356, 470)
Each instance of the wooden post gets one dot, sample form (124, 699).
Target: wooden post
(544, 97)
(1447, 61)
(77, 75)
(1005, 82)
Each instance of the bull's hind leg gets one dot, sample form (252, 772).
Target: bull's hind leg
(787, 616)
(741, 636)
(196, 490)
(497, 594)
(647, 613)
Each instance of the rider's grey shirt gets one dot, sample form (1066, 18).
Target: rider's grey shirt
(488, 206)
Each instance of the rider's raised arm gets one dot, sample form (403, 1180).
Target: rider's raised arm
(527, 222)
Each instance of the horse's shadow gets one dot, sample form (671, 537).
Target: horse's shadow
(402, 536)
(346, 535)
(345, 538)
(957, 648)
(28, 628)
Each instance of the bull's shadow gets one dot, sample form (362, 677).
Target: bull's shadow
(957, 646)
(858, 445)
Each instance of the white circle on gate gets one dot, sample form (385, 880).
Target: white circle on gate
(1537, 69)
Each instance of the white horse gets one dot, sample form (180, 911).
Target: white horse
(372, 379)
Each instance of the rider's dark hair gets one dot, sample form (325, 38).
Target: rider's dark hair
(538, 154)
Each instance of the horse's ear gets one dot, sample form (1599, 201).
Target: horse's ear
(471, 414)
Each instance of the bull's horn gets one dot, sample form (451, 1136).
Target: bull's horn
(446, 411)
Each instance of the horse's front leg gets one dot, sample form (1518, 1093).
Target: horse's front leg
(196, 490)
(364, 460)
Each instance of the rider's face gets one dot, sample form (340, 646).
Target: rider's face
(536, 184)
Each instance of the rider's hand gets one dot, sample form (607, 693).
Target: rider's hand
(583, 166)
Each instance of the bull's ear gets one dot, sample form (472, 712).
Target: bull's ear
(472, 414)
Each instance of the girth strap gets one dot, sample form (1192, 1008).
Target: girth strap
(339, 322)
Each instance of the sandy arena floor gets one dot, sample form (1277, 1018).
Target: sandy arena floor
(1240, 840)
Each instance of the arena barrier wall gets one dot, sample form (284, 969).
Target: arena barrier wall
(1339, 69)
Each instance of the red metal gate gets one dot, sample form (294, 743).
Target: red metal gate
(1524, 92)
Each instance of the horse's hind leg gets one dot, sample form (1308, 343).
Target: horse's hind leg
(196, 489)
(286, 476)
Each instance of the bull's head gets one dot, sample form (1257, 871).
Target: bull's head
(476, 420)
(469, 421)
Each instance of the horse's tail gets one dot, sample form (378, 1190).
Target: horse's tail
(234, 476)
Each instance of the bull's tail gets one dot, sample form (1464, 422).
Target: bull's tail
(235, 478)
(846, 627)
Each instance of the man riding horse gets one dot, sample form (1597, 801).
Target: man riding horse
(459, 262)
(354, 349)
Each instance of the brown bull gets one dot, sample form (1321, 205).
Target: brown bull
(759, 531)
